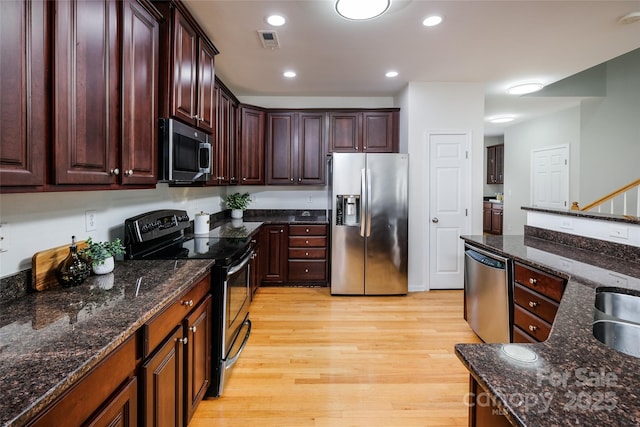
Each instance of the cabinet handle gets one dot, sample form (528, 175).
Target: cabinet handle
(364, 148)
(187, 303)
(282, 230)
(533, 328)
(244, 179)
(307, 230)
(193, 329)
(306, 270)
(115, 171)
(129, 172)
(306, 254)
(533, 304)
(306, 242)
(356, 147)
(533, 281)
(299, 179)
(184, 340)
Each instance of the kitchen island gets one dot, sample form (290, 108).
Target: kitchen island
(51, 339)
(571, 379)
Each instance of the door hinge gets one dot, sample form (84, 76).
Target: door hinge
(466, 212)
(466, 154)
(565, 162)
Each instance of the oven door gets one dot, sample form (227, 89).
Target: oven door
(235, 321)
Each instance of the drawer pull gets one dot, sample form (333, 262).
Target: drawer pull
(533, 304)
(193, 329)
(307, 230)
(533, 328)
(184, 340)
(306, 241)
(533, 281)
(306, 254)
(187, 303)
(306, 270)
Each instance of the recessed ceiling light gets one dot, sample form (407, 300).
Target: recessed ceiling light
(432, 21)
(391, 74)
(361, 9)
(289, 74)
(524, 88)
(502, 119)
(276, 20)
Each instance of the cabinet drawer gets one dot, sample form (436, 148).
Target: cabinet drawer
(546, 284)
(307, 271)
(519, 336)
(156, 329)
(531, 324)
(308, 230)
(304, 242)
(308, 253)
(535, 303)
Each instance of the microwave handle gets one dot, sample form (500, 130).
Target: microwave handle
(206, 146)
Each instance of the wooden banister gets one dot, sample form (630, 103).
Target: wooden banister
(612, 195)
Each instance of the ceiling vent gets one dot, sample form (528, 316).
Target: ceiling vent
(269, 39)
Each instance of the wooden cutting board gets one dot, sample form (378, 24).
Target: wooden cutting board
(45, 263)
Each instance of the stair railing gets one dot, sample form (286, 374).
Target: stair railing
(624, 192)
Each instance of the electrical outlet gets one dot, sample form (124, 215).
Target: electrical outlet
(90, 220)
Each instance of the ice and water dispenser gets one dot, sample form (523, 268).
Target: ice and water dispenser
(348, 210)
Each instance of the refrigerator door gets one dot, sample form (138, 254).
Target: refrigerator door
(386, 207)
(347, 234)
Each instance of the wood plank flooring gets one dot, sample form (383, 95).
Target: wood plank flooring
(319, 360)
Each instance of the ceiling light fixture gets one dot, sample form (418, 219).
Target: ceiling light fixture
(502, 119)
(276, 20)
(524, 88)
(432, 21)
(629, 18)
(391, 74)
(289, 74)
(361, 9)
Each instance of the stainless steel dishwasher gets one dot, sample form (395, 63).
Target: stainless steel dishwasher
(488, 294)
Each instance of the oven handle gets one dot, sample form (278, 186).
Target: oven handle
(237, 267)
(231, 361)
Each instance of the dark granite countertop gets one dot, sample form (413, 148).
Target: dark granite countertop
(586, 214)
(575, 380)
(49, 339)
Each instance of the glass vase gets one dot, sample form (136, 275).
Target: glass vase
(74, 269)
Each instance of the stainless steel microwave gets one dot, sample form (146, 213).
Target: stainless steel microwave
(185, 153)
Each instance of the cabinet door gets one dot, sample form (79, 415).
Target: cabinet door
(23, 91)
(280, 148)
(206, 92)
(162, 376)
(233, 157)
(251, 147)
(198, 355)
(491, 165)
(86, 92)
(499, 164)
(223, 143)
(274, 241)
(311, 149)
(185, 45)
(344, 132)
(121, 410)
(486, 217)
(139, 151)
(256, 267)
(496, 221)
(378, 130)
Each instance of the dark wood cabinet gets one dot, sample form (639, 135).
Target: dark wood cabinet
(193, 97)
(374, 131)
(492, 215)
(274, 243)
(198, 331)
(296, 148)
(225, 162)
(483, 410)
(257, 264)
(536, 299)
(307, 253)
(24, 86)
(495, 164)
(121, 410)
(251, 148)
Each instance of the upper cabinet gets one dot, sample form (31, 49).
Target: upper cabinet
(296, 148)
(373, 131)
(24, 126)
(251, 147)
(193, 96)
(225, 162)
(495, 164)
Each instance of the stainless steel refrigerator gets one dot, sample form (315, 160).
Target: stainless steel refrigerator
(369, 223)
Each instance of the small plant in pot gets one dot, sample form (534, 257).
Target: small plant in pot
(237, 202)
(101, 254)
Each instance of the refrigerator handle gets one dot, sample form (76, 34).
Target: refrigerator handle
(368, 201)
(363, 198)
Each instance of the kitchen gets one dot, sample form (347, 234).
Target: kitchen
(23, 215)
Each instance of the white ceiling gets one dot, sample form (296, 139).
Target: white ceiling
(496, 43)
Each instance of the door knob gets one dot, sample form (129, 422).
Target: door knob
(435, 220)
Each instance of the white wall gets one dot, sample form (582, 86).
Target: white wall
(285, 197)
(439, 107)
(551, 130)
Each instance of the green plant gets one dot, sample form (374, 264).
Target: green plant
(238, 201)
(98, 252)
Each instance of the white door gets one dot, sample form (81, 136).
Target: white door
(550, 177)
(449, 187)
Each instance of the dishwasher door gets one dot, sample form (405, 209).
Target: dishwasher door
(488, 294)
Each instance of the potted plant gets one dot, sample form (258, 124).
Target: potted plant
(101, 254)
(237, 202)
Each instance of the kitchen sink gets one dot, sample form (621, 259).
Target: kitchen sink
(619, 305)
(621, 336)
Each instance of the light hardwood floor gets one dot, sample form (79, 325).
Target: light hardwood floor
(319, 360)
